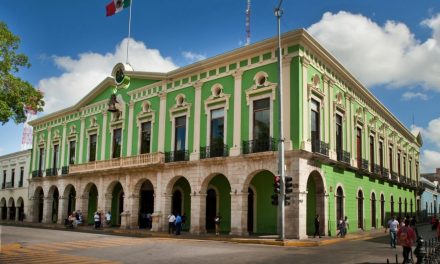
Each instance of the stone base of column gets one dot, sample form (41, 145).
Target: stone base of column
(332, 154)
(125, 219)
(306, 145)
(155, 225)
(288, 145)
(235, 151)
(194, 156)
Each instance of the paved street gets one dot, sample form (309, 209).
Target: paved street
(31, 245)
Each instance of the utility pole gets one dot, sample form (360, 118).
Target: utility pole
(281, 170)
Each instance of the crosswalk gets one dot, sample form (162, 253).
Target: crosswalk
(58, 252)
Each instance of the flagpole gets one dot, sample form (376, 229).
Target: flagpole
(129, 29)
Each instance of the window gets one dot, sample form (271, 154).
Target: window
(390, 158)
(339, 204)
(117, 134)
(381, 156)
(398, 163)
(315, 126)
(72, 150)
(20, 183)
(55, 158)
(410, 168)
(92, 147)
(180, 134)
(41, 162)
(404, 166)
(217, 132)
(359, 147)
(145, 137)
(12, 177)
(261, 122)
(4, 180)
(339, 137)
(372, 154)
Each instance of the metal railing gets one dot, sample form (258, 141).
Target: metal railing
(37, 173)
(124, 162)
(51, 172)
(377, 169)
(65, 170)
(259, 145)
(364, 164)
(20, 183)
(178, 155)
(320, 147)
(394, 176)
(214, 151)
(9, 185)
(385, 173)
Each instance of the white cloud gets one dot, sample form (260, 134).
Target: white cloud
(431, 133)
(81, 75)
(410, 95)
(430, 160)
(193, 57)
(382, 55)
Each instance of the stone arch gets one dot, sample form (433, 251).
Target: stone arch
(360, 208)
(315, 202)
(251, 175)
(373, 209)
(4, 208)
(89, 202)
(68, 203)
(217, 188)
(115, 202)
(400, 207)
(11, 207)
(252, 209)
(38, 206)
(339, 202)
(392, 206)
(52, 204)
(143, 199)
(11, 202)
(20, 206)
(382, 209)
(406, 207)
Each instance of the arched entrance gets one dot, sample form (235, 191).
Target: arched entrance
(392, 205)
(4, 209)
(11, 205)
(339, 204)
(117, 204)
(218, 201)
(400, 207)
(55, 203)
(146, 204)
(71, 200)
(92, 202)
(315, 202)
(406, 207)
(38, 205)
(373, 210)
(382, 210)
(20, 205)
(360, 206)
(411, 207)
(261, 214)
(181, 201)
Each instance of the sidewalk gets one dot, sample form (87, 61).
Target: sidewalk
(262, 240)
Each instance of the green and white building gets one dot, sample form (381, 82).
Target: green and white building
(202, 140)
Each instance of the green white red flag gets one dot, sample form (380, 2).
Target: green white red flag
(116, 6)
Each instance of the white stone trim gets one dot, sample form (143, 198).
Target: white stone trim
(214, 103)
(254, 94)
(144, 117)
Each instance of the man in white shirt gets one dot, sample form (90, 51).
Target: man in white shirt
(392, 225)
(171, 220)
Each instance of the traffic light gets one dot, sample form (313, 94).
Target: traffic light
(286, 199)
(277, 185)
(288, 184)
(274, 199)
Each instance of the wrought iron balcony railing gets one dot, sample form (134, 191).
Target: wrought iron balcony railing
(9, 185)
(37, 173)
(214, 151)
(385, 173)
(320, 147)
(394, 176)
(20, 183)
(364, 164)
(259, 145)
(178, 155)
(377, 169)
(65, 170)
(51, 172)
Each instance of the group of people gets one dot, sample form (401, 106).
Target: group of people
(73, 220)
(98, 219)
(176, 223)
(342, 227)
(402, 232)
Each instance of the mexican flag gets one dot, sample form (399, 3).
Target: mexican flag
(116, 6)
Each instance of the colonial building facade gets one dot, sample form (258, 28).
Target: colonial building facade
(201, 140)
(14, 180)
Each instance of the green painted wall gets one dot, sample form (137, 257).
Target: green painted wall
(222, 185)
(296, 105)
(186, 196)
(266, 213)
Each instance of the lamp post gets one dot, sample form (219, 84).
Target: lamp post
(281, 170)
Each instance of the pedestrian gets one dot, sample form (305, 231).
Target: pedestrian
(345, 226)
(96, 219)
(108, 218)
(317, 227)
(412, 224)
(178, 224)
(392, 225)
(217, 221)
(406, 239)
(171, 220)
(340, 230)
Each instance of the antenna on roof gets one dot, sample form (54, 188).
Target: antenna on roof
(248, 23)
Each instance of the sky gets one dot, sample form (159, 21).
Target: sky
(392, 47)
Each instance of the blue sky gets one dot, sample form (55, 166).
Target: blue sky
(392, 47)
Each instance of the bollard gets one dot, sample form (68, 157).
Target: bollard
(420, 251)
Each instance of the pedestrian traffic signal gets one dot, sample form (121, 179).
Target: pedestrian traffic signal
(286, 199)
(277, 185)
(288, 184)
(274, 199)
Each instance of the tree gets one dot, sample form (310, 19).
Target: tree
(16, 95)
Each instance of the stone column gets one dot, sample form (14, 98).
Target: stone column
(239, 210)
(47, 210)
(350, 128)
(166, 203)
(48, 148)
(306, 143)
(332, 120)
(81, 204)
(105, 204)
(35, 151)
(197, 106)
(81, 140)
(236, 148)
(63, 147)
(62, 209)
(104, 134)
(287, 109)
(130, 128)
(162, 117)
(133, 201)
(198, 213)
(8, 213)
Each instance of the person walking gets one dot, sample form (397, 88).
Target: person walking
(317, 227)
(171, 220)
(406, 236)
(108, 218)
(392, 225)
(217, 221)
(178, 224)
(345, 226)
(96, 218)
(340, 230)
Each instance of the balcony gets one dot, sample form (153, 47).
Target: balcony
(385, 173)
(320, 147)
(37, 173)
(124, 162)
(364, 164)
(65, 170)
(51, 172)
(377, 169)
(20, 184)
(394, 176)
(9, 185)
(3, 185)
(214, 151)
(259, 145)
(178, 155)
(343, 156)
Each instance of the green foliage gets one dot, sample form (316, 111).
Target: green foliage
(15, 93)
